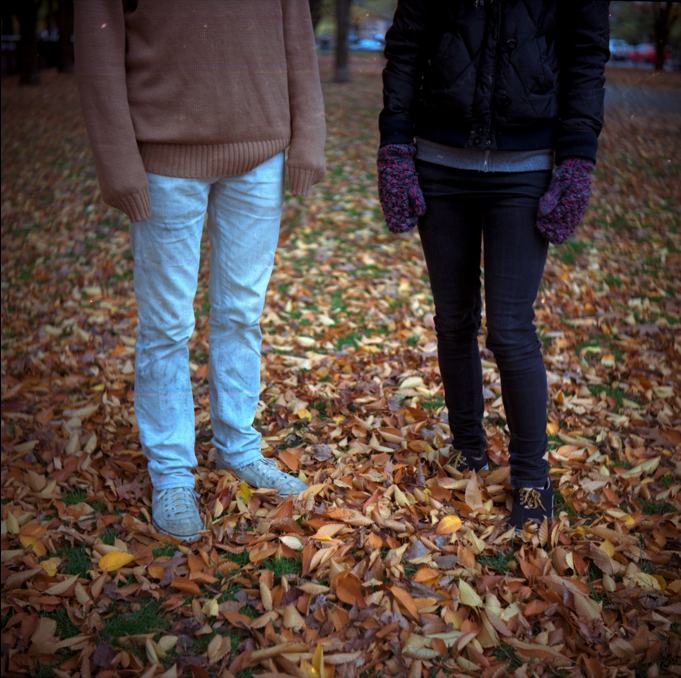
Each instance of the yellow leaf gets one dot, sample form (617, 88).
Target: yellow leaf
(661, 581)
(115, 560)
(675, 586)
(167, 643)
(12, 524)
(318, 661)
(468, 596)
(245, 493)
(50, 566)
(608, 548)
(210, 609)
(551, 428)
(448, 525)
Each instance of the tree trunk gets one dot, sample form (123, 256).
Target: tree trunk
(27, 13)
(665, 13)
(342, 51)
(65, 31)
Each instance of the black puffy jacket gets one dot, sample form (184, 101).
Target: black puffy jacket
(497, 74)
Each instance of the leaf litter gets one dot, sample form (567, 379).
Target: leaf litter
(391, 563)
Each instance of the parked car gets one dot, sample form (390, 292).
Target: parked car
(367, 45)
(646, 52)
(619, 49)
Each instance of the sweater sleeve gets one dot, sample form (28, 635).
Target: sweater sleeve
(582, 43)
(306, 164)
(100, 70)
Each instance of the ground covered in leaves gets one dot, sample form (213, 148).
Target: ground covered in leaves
(391, 563)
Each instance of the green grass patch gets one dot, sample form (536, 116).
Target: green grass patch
(65, 627)
(41, 670)
(144, 616)
(499, 561)
(98, 505)
(283, 566)
(655, 508)
(165, 550)
(239, 558)
(409, 569)
(74, 497)
(75, 560)
(617, 393)
(249, 611)
(506, 653)
(571, 250)
(434, 403)
(109, 536)
(668, 479)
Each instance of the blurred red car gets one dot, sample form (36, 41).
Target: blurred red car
(646, 52)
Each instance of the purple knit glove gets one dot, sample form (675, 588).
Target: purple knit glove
(562, 207)
(398, 187)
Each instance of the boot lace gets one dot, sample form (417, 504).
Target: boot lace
(531, 498)
(456, 459)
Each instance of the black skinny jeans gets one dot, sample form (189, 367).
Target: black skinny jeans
(514, 256)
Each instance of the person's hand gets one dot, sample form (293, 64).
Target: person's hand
(398, 187)
(563, 205)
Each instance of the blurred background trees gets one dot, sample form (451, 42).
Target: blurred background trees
(657, 23)
(38, 34)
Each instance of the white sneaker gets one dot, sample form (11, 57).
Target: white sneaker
(174, 511)
(263, 474)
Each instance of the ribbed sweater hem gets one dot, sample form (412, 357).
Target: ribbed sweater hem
(300, 180)
(203, 161)
(137, 206)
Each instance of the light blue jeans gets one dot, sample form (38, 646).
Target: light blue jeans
(243, 224)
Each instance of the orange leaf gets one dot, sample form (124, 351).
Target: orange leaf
(349, 590)
(448, 525)
(426, 574)
(406, 600)
(114, 560)
(195, 563)
(473, 494)
(156, 571)
(290, 460)
(186, 585)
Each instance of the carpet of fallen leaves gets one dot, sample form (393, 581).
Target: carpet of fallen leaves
(392, 563)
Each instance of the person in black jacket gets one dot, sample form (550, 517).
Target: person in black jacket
(481, 99)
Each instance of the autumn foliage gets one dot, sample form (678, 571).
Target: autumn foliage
(391, 563)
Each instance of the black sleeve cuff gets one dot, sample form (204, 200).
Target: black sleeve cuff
(395, 131)
(582, 144)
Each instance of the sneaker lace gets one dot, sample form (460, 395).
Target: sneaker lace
(531, 498)
(181, 500)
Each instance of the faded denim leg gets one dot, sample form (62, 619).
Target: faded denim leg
(244, 213)
(166, 249)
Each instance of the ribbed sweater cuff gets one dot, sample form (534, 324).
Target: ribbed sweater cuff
(300, 180)
(137, 206)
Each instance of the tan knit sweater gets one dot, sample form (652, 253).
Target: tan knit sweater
(197, 88)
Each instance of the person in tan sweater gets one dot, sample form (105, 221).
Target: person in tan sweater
(189, 107)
